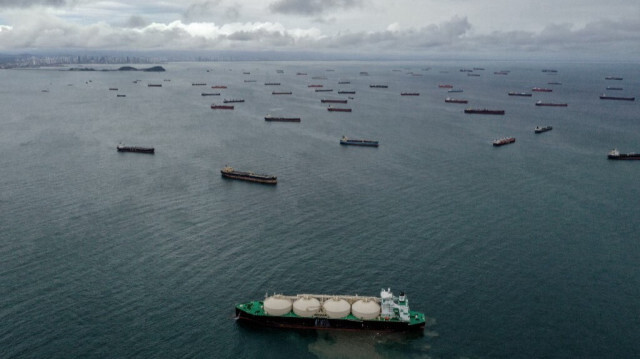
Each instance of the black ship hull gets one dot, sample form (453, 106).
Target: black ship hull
(150, 150)
(326, 323)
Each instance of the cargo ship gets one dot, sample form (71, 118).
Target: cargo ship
(409, 94)
(614, 88)
(346, 92)
(455, 100)
(281, 119)
(210, 94)
(338, 109)
(551, 104)
(613, 78)
(539, 129)
(282, 93)
(222, 107)
(324, 100)
(272, 84)
(484, 111)
(445, 86)
(378, 86)
(233, 100)
(218, 87)
(619, 98)
(523, 94)
(324, 90)
(356, 142)
(616, 155)
(229, 172)
(541, 89)
(138, 149)
(386, 313)
(504, 141)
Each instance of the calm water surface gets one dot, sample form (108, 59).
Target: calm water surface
(527, 250)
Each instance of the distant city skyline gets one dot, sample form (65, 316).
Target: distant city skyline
(550, 29)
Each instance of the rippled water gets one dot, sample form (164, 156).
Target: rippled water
(527, 250)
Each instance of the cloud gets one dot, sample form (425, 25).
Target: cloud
(30, 3)
(45, 30)
(311, 7)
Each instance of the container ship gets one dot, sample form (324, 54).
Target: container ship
(138, 149)
(229, 172)
(504, 141)
(333, 312)
(484, 111)
(281, 119)
(619, 98)
(356, 142)
(616, 155)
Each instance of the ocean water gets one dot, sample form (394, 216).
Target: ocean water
(524, 251)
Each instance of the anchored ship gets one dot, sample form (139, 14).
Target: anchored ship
(616, 155)
(341, 312)
(338, 109)
(138, 149)
(455, 100)
(539, 129)
(324, 100)
(357, 142)
(504, 141)
(551, 104)
(281, 119)
(229, 172)
(619, 98)
(222, 107)
(484, 111)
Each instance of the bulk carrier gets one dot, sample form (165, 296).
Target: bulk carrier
(344, 312)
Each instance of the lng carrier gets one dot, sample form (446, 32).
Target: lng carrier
(322, 311)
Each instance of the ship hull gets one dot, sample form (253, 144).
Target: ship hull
(624, 156)
(249, 177)
(326, 323)
(150, 150)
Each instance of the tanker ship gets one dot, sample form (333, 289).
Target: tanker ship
(342, 312)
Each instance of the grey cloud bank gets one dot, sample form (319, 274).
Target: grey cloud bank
(216, 25)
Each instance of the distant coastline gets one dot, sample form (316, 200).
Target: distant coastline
(123, 68)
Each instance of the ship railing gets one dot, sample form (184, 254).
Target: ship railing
(324, 297)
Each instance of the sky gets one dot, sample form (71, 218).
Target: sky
(552, 28)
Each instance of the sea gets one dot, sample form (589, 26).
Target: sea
(529, 250)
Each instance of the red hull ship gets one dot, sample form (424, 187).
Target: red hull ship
(504, 141)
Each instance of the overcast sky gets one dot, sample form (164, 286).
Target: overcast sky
(555, 28)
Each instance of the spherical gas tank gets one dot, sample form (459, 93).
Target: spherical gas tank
(337, 308)
(365, 309)
(306, 306)
(277, 305)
